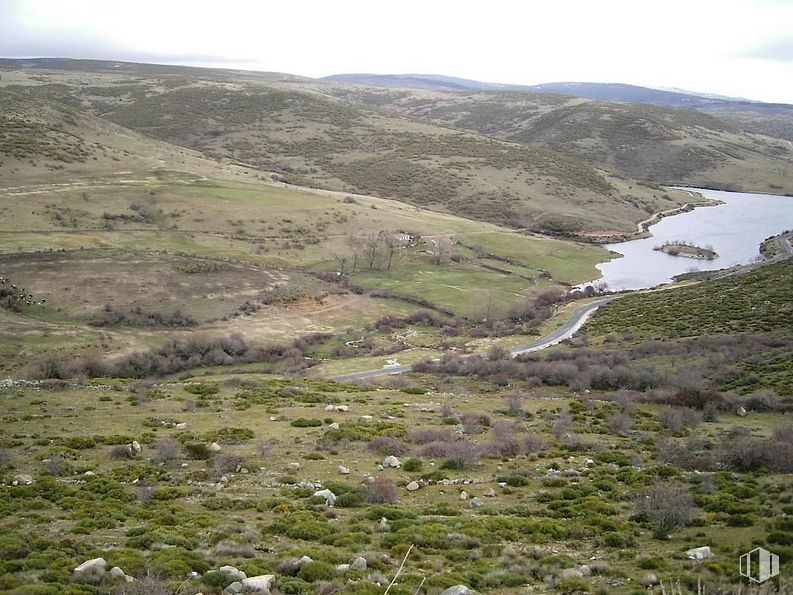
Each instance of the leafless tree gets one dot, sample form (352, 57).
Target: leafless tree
(667, 507)
(440, 248)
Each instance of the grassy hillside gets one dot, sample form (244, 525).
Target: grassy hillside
(638, 141)
(308, 137)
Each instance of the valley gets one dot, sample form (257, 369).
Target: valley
(275, 334)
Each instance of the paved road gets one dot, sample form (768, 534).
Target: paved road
(567, 330)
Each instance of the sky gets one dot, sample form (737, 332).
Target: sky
(741, 48)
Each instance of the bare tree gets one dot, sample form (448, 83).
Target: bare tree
(667, 507)
(440, 248)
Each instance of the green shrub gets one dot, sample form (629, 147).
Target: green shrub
(215, 578)
(203, 389)
(412, 465)
(176, 563)
(197, 451)
(317, 571)
(302, 422)
(229, 435)
(349, 500)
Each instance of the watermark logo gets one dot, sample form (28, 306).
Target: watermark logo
(759, 565)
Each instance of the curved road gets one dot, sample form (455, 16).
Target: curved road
(567, 330)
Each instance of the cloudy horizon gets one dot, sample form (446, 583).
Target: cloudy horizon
(740, 48)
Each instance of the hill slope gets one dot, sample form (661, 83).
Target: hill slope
(309, 137)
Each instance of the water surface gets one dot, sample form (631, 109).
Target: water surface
(734, 229)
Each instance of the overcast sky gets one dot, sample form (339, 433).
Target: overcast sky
(733, 47)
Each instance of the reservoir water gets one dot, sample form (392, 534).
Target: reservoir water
(735, 230)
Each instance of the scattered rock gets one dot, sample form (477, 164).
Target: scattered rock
(391, 461)
(475, 503)
(585, 570)
(358, 564)
(342, 567)
(458, 590)
(193, 575)
(334, 426)
(571, 573)
(116, 572)
(699, 553)
(589, 462)
(136, 446)
(23, 479)
(235, 588)
(262, 583)
(330, 408)
(214, 447)
(273, 418)
(237, 575)
(412, 486)
(181, 426)
(89, 566)
(327, 495)
(342, 408)
(649, 580)
(491, 493)
(384, 526)
(89, 474)
(367, 419)
(741, 412)
(292, 466)
(463, 495)
(303, 561)
(344, 470)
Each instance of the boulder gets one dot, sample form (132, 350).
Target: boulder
(327, 495)
(235, 574)
(367, 419)
(741, 412)
(97, 565)
(344, 470)
(358, 564)
(384, 526)
(214, 447)
(412, 486)
(463, 495)
(292, 467)
(330, 408)
(699, 553)
(649, 580)
(261, 583)
(458, 590)
(136, 446)
(116, 572)
(342, 567)
(300, 562)
(342, 408)
(571, 573)
(475, 503)
(334, 426)
(181, 426)
(234, 588)
(585, 570)
(23, 479)
(491, 493)
(391, 461)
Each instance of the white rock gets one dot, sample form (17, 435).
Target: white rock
(342, 408)
(463, 495)
(589, 462)
(366, 419)
(334, 426)
(214, 447)
(741, 412)
(136, 446)
(330, 408)
(384, 526)
(358, 564)
(292, 466)
(412, 486)
(235, 587)
(181, 426)
(262, 583)
(458, 590)
(193, 575)
(303, 561)
(273, 418)
(391, 461)
(491, 493)
(23, 479)
(116, 572)
(475, 503)
(237, 575)
(649, 580)
(699, 553)
(585, 570)
(94, 565)
(89, 474)
(344, 470)
(329, 497)
(342, 567)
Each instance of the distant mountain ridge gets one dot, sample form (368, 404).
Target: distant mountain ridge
(619, 92)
